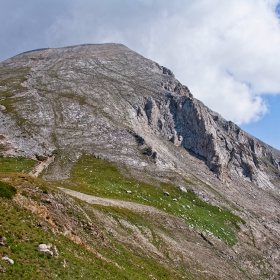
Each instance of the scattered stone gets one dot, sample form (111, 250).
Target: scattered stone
(3, 241)
(183, 189)
(55, 251)
(128, 191)
(7, 259)
(64, 263)
(45, 249)
(166, 193)
(2, 269)
(174, 199)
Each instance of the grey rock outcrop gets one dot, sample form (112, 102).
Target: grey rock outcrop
(187, 122)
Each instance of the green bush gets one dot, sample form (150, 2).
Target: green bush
(7, 190)
(41, 158)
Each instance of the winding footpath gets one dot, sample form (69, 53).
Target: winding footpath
(133, 206)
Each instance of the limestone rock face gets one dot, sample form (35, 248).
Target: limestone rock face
(187, 122)
(89, 98)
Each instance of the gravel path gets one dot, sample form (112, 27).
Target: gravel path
(133, 206)
(41, 166)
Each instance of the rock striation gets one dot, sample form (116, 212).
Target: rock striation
(85, 96)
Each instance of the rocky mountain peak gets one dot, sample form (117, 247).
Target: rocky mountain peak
(62, 98)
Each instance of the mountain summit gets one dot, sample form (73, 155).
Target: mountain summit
(75, 107)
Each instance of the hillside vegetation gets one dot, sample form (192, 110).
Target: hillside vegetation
(35, 212)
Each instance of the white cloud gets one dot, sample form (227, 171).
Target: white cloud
(226, 52)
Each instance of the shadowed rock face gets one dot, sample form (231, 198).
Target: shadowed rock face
(108, 101)
(187, 122)
(87, 99)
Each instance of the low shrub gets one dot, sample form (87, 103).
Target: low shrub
(7, 190)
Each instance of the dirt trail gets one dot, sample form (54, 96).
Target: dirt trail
(133, 206)
(41, 166)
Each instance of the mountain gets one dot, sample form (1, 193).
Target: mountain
(154, 175)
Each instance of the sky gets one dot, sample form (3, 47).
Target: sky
(226, 52)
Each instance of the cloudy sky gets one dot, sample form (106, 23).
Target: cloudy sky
(226, 52)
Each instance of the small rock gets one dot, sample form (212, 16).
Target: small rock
(174, 199)
(64, 263)
(6, 259)
(183, 189)
(55, 251)
(3, 241)
(128, 191)
(166, 193)
(45, 249)
(2, 269)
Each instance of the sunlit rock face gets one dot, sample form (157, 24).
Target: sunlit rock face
(90, 98)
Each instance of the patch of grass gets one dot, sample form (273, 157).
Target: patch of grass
(23, 79)
(16, 164)
(6, 190)
(270, 165)
(9, 104)
(102, 178)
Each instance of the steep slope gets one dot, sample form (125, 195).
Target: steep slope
(67, 105)
(56, 93)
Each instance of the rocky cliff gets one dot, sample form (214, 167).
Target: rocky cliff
(76, 96)
(112, 103)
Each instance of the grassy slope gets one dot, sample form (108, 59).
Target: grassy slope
(24, 235)
(19, 164)
(24, 232)
(102, 178)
